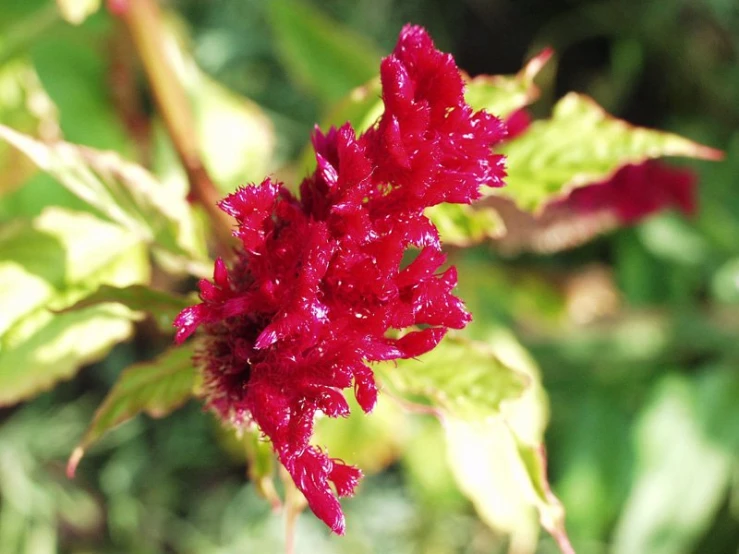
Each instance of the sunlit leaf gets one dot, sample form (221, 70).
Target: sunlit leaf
(499, 462)
(725, 283)
(163, 306)
(155, 388)
(501, 95)
(581, 144)
(325, 57)
(687, 441)
(48, 265)
(124, 192)
(76, 11)
(370, 441)
(460, 377)
(463, 225)
(24, 106)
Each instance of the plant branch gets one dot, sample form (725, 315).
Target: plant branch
(144, 21)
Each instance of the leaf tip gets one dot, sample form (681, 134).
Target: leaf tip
(710, 154)
(535, 64)
(74, 461)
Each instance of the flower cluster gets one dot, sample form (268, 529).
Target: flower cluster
(323, 285)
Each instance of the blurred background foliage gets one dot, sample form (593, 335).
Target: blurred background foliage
(635, 332)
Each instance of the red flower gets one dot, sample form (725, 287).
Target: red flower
(320, 289)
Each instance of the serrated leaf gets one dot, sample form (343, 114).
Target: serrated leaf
(501, 95)
(124, 192)
(76, 11)
(581, 144)
(163, 306)
(460, 377)
(325, 57)
(51, 263)
(43, 349)
(156, 388)
(463, 225)
(499, 462)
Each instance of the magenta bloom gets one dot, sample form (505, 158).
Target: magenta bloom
(320, 289)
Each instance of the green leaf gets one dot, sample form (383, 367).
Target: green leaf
(163, 306)
(463, 225)
(156, 388)
(73, 64)
(687, 442)
(325, 57)
(499, 462)
(581, 144)
(25, 106)
(124, 192)
(594, 475)
(502, 95)
(460, 377)
(361, 107)
(76, 11)
(49, 264)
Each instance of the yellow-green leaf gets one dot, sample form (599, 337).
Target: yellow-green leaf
(24, 105)
(124, 192)
(460, 377)
(156, 388)
(49, 264)
(163, 306)
(581, 144)
(463, 225)
(76, 11)
(502, 95)
(499, 462)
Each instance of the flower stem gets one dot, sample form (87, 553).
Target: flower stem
(144, 21)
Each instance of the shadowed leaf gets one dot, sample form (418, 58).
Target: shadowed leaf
(320, 54)
(156, 388)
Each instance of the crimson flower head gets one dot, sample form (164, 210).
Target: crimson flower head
(321, 286)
